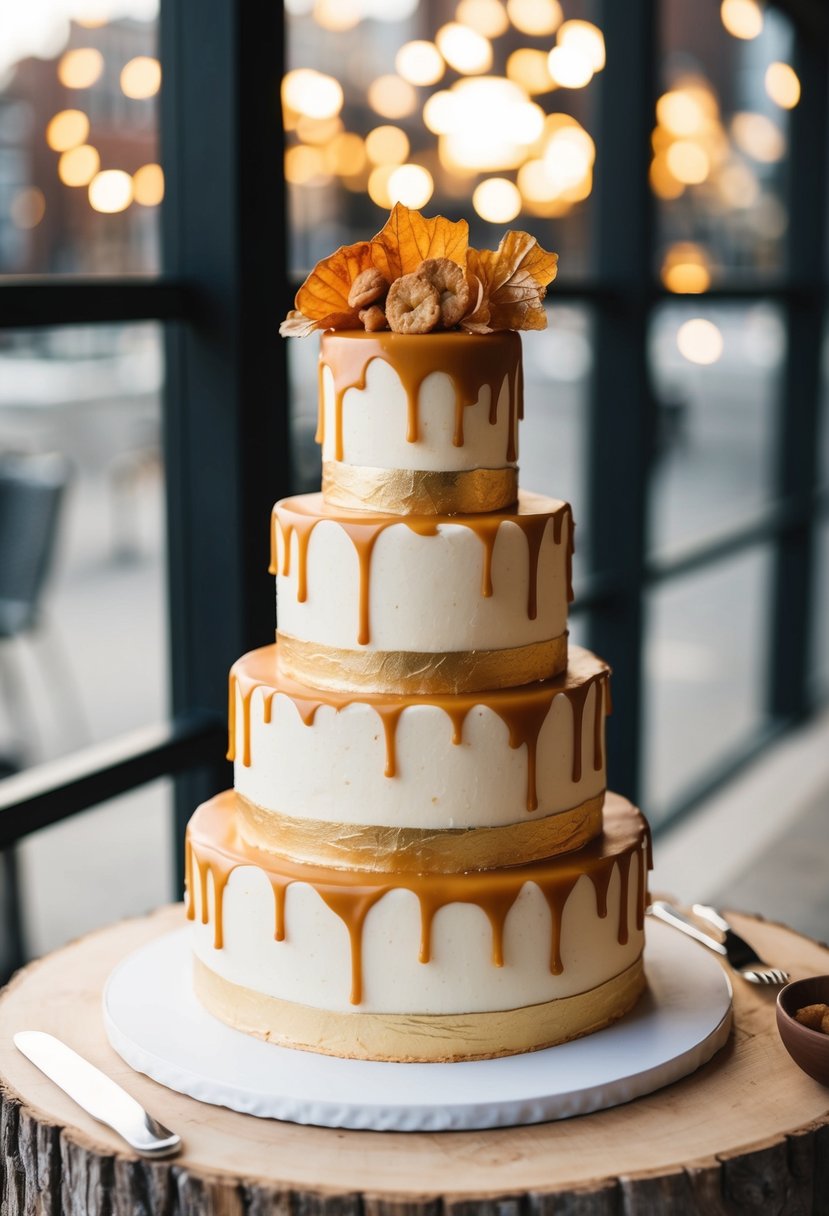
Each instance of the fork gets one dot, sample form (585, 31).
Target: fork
(737, 952)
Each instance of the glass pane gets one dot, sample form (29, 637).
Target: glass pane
(450, 106)
(823, 436)
(705, 674)
(83, 649)
(80, 181)
(820, 641)
(720, 144)
(716, 374)
(97, 868)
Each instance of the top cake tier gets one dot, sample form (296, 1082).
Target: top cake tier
(420, 423)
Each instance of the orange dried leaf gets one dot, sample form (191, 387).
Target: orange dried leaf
(476, 320)
(323, 297)
(407, 239)
(515, 278)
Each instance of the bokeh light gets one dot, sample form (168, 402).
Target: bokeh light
(420, 63)
(688, 162)
(488, 17)
(392, 97)
(338, 15)
(148, 185)
(528, 67)
(312, 93)
(569, 67)
(586, 38)
(317, 130)
(141, 77)
(782, 85)
(535, 17)
(66, 130)
(758, 137)
(80, 68)
(305, 165)
(742, 18)
(346, 154)
(497, 200)
(110, 191)
(685, 268)
(464, 49)
(27, 208)
(490, 124)
(700, 341)
(78, 166)
(378, 186)
(387, 145)
(411, 185)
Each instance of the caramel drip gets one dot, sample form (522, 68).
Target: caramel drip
(189, 897)
(470, 361)
(520, 391)
(218, 850)
(319, 437)
(644, 864)
(301, 515)
(522, 710)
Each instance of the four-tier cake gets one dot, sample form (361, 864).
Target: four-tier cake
(419, 859)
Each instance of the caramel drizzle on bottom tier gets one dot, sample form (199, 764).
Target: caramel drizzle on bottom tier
(469, 361)
(523, 710)
(293, 516)
(215, 848)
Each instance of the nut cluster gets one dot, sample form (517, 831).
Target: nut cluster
(816, 1017)
(435, 296)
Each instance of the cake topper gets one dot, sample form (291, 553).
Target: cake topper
(418, 275)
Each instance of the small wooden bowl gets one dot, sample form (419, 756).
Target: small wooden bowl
(808, 1048)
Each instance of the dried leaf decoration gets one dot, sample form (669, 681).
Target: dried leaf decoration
(322, 300)
(514, 278)
(407, 239)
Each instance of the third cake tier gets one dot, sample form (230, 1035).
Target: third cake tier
(422, 603)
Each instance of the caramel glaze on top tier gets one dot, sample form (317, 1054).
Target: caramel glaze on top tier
(300, 515)
(215, 848)
(523, 710)
(471, 361)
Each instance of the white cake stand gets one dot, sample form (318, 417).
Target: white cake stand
(155, 1023)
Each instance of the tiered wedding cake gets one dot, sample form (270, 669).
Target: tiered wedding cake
(419, 860)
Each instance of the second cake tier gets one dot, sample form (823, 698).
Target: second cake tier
(418, 781)
(422, 603)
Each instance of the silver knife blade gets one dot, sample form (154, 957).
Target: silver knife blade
(97, 1094)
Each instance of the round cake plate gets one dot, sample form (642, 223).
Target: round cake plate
(156, 1024)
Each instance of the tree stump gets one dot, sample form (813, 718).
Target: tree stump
(748, 1133)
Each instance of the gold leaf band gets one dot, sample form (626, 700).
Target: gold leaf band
(419, 491)
(393, 850)
(410, 671)
(418, 1036)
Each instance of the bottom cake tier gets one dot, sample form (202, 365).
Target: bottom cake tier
(417, 967)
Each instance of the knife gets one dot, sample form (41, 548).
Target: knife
(97, 1094)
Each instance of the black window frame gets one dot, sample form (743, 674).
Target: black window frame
(226, 429)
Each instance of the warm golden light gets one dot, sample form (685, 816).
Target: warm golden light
(346, 154)
(535, 17)
(689, 163)
(783, 85)
(378, 186)
(410, 185)
(529, 68)
(80, 68)
(110, 191)
(464, 49)
(317, 130)
(438, 112)
(488, 17)
(141, 78)
(27, 208)
(663, 182)
(497, 200)
(685, 269)
(758, 137)
(305, 165)
(66, 130)
(338, 14)
(742, 18)
(699, 341)
(738, 185)
(680, 112)
(392, 97)
(312, 93)
(78, 166)
(387, 146)
(148, 185)
(586, 38)
(569, 68)
(420, 63)
(490, 125)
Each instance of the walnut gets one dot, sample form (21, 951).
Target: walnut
(448, 279)
(412, 305)
(373, 319)
(369, 286)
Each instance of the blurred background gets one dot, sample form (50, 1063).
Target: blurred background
(486, 109)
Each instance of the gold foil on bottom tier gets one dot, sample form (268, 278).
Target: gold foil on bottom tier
(409, 671)
(414, 1037)
(415, 850)
(419, 491)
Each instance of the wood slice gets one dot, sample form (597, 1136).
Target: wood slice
(747, 1133)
